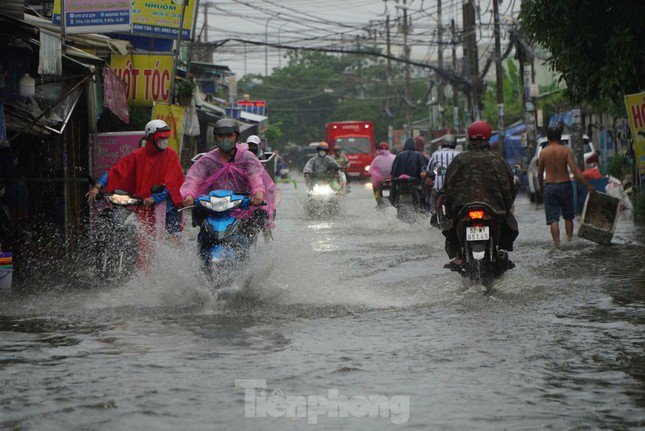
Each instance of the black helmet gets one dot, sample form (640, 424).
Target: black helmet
(449, 141)
(225, 126)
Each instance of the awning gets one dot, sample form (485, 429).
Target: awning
(255, 118)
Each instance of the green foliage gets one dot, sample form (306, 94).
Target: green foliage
(619, 165)
(513, 111)
(274, 136)
(185, 88)
(316, 88)
(597, 45)
(638, 202)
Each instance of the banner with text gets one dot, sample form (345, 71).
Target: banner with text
(158, 18)
(146, 76)
(111, 147)
(94, 16)
(174, 116)
(636, 111)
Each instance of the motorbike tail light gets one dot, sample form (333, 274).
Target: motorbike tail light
(476, 214)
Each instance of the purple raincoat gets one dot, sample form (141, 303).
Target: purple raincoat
(244, 173)
(381, 167)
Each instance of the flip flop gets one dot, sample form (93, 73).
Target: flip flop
(453, 266)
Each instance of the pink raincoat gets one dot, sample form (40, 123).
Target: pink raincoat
(381, 167)
(244, 173)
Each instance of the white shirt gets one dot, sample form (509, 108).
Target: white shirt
(441, 158)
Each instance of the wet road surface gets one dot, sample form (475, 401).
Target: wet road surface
(356, 307)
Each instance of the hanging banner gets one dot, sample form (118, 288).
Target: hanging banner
(94, 16)
(160, 18)
(146, 76)
(111, 147)
(173, 115)
(636, 110)
(115, 95)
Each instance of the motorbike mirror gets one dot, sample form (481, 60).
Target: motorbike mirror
(159, 188)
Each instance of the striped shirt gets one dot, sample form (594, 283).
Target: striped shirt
(441, 158)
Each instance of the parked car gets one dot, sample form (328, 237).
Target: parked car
(591, 160)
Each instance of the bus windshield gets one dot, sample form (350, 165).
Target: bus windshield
(354, 145)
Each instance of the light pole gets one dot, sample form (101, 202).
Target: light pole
(266, 47)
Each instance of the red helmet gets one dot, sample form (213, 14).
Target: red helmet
(479, 130)
(383, 146)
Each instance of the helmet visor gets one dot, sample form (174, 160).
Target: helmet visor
(163, 133)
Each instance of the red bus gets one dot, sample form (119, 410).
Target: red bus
(356, 138)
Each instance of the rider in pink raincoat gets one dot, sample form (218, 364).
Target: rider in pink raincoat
(381, 167)
(232, 167)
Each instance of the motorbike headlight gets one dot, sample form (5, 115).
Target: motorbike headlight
(321, 190)
(206, 204)
(223, 204)
(121, 200)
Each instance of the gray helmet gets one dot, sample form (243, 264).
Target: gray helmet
(225, 126)
(449, 141)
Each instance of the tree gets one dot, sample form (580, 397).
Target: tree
(596, 45)
(513, 109)
(315, 88)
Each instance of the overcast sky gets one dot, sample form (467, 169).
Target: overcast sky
(330, 23)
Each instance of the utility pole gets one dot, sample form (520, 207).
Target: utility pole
(388, 105)
(173, 75)
(470, 53)
(206, 5)
(406, 51)
(455, 97)
(499, 76)
(359, 57)
(266, 47)
(440, 88)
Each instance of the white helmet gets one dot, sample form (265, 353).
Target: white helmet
(155, 126)
(253, 139)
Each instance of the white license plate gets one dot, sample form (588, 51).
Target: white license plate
(478, 233)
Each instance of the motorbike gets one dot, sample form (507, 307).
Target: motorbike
(439, 213)
(115, 237)
(478, 230)
(406, 197)
(384, 190)
(224, 240)
(324, 193)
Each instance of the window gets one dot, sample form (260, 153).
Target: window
(355, 145)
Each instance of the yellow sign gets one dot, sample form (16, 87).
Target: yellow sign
(146, 76)
(157, 18)
(636, 111)
(173, 115)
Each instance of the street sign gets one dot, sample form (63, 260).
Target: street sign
(94, 16)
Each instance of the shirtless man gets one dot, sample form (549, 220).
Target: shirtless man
(557, 187)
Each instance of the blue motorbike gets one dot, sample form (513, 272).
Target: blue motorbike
(225, 240)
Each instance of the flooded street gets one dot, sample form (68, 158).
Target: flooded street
(358, 307)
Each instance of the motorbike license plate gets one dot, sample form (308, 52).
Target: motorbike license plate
(477, 233)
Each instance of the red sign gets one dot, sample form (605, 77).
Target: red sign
(109, 148)
(115, 96)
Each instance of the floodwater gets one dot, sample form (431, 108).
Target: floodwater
(345, 323)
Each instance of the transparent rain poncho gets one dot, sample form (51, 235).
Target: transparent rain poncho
(381, 167)
(244, 174)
